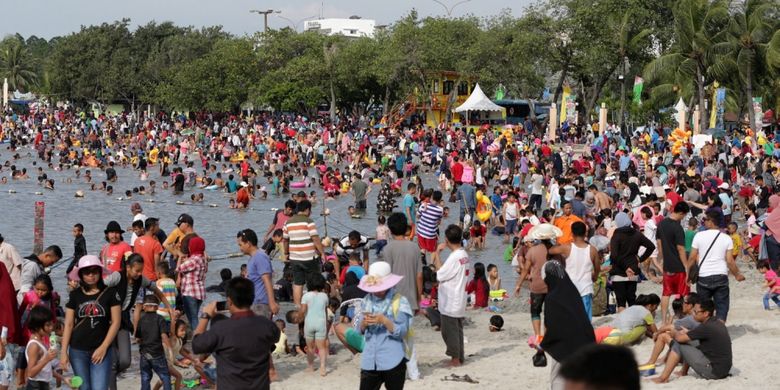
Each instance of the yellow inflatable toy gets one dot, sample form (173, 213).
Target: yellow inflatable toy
(153, 156)
(344, 187)
(377, 181)
(238, 157)
(484, 207)
(678, 138)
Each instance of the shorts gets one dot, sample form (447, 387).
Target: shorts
(21, 358)
(675, 284)
(7, 366)
(427, 244)
(537, 302)
(511, 225)
(354, 339)
(315, 331)
(262, 310)
(303, 270)
(360, 204)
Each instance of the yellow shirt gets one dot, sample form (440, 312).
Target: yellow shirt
(737, 240)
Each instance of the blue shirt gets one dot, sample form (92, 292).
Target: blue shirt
(467, 196)
(625, 160)
(497, 202)
(259, 265)
(409, 206)
(383, 350)
(232, 186)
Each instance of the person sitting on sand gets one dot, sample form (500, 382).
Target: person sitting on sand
(712, 358)
(630, 324)
(685, 319)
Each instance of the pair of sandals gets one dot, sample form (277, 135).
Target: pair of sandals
(459, 378)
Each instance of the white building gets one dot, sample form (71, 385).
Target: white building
(352, 27)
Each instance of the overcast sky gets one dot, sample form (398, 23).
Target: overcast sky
(49, 18)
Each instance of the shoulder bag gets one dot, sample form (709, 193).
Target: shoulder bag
(693, 272)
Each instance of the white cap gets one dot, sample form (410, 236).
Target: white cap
(724, 186)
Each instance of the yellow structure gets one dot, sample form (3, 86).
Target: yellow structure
(441, 84)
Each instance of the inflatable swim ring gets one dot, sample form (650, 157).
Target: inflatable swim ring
(344, 187)
(484, 207)
(377, 181)
(211, 187)
(497, 295)
(298, 184)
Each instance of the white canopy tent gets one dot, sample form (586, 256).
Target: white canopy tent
(478, 102)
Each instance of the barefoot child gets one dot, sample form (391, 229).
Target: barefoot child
(313, 312)
(39, 353)
(771, 282)
(152, 335)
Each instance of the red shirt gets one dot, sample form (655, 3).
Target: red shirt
(480, 292)
(112, 255)
(457, 171)
(148, 247)
(546, 151)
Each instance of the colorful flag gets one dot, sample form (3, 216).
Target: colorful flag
(638, 85)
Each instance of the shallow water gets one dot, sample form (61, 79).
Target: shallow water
(217, 225)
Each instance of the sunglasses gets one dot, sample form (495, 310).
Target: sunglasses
(91, 270)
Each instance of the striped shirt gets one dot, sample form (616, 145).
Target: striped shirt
(429, 217)
(299, 230)
(168, 288)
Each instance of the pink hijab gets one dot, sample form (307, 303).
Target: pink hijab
(773, 220)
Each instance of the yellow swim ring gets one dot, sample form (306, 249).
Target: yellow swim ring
(484, 207)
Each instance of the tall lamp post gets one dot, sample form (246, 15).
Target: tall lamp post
(265, 16)
(449, 9)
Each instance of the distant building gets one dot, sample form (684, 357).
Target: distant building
(353, 27)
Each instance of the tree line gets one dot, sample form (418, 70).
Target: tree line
(680, 47)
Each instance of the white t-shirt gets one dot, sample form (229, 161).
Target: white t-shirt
(137, 217)
(537, 181)
(452, 279)
(715, 263)
(580, 269)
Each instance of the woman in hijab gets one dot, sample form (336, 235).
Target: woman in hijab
(567, 326)
(624, 247)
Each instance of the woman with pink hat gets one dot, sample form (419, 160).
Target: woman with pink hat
(92, 319)
(386, 319)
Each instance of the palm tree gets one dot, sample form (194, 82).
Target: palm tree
(629, 42)
(745, 47)
(16, 65)
(698, 26)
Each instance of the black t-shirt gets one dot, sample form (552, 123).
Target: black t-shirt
(150, 328)
(92, 317)
(715, 343)
(671, 234)
(110, 173)
(283, 290)
(178, 183)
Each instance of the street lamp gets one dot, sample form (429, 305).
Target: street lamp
(449, 9)
(265, 16)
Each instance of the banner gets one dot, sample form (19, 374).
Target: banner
(564, 99)
(720, 107)
(714, 111)
(638, 85)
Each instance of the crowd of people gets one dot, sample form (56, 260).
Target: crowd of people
(583, 225)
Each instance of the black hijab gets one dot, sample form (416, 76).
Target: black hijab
(566, 323)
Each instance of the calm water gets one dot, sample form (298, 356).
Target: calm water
(217, 225)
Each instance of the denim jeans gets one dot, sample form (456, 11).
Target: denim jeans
(160, 367)
(715, 287)
(191, 308)
(775, 297)
(587, 301)
(95, 376)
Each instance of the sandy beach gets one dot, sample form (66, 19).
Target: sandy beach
(503, 360)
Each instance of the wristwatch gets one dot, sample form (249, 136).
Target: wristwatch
(205, 316)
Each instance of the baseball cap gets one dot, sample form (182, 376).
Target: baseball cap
(185, 218)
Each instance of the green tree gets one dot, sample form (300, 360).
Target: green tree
(698, 26)
(16, 64)
(745, 47)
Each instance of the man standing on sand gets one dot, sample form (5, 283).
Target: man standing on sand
(360, 191)
(582, 264)
(452, 277)
(404, 258)
(302, 245)
(670, 240)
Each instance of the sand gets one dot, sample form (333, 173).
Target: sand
(503, 360)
